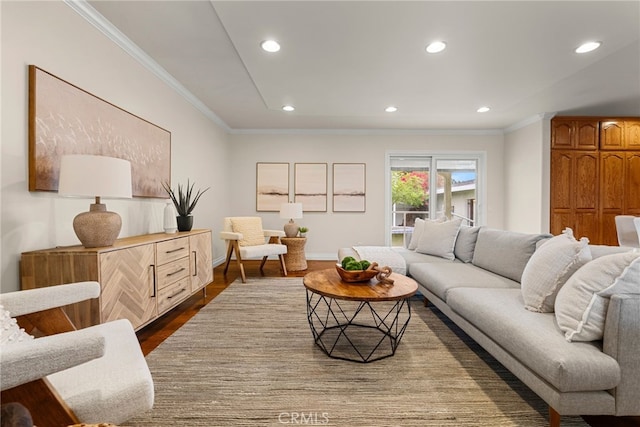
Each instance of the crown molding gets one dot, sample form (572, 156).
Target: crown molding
(366, 131)
(92, 16)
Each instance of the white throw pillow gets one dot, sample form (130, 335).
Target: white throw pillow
(550, 267)
(439, 238)
(418, 228)
(581, 305)
(10, 332)
(251, 229)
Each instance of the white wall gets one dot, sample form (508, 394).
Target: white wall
(55, 38)
(329, 231)
(526, 170)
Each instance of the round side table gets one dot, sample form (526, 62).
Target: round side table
(295, 258)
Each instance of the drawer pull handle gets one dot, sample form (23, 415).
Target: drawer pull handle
(174, 250)
(176, 272)
(177, 293)
(153, 273)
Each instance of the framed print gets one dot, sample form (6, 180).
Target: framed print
(310, 186)
(64, 119)
(272, 186)
(349, 187)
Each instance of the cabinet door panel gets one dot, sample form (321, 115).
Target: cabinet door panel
(632, 184)
(586, 181)
(587, 226)
(201, 260)
(611, 135)
(632, 134)
(127, 279)
(561, 132)
(608, 229)
(586, 135)
(612, 179)
(561, 182)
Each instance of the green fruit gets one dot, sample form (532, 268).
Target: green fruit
(364, 264)
(346, 260)
(353, 265)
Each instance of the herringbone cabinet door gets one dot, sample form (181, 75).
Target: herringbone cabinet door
(201, 260)
(128, 289)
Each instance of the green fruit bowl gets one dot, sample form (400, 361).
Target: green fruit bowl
(356, 275)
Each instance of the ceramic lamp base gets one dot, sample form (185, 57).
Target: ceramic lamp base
(98, 227)
(291, 229)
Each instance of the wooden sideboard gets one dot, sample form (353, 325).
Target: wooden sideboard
(142, 277)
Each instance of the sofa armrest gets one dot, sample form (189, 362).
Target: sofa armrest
(230, 235)
(622, 342)
(33, 300)
(274, 233)
(30, 360)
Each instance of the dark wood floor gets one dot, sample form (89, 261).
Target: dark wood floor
(153, 335)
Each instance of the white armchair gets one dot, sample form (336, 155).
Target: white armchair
(247, 239)
(628, 230)
(93, 375)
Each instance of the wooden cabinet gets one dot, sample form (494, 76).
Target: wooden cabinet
(201, 260)
(594, 176)
(575, 133)
(141, 277)
(620, 134)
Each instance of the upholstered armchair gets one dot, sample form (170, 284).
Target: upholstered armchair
(628, 230)
(66, 376)
(247, 239)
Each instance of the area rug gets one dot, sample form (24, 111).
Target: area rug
(248, 359)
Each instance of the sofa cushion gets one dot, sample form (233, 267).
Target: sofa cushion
(466, 243)
(535, 340)
(549, 268)
(439, 238)
(581, 305)
(505, 252)
(439, 278)
(251, 229)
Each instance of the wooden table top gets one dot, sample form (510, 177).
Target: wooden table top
(328, 283)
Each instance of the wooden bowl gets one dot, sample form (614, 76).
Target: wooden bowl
(356, 275)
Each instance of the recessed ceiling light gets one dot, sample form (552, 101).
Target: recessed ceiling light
(436, 47)
(270, 46)
(288, 107)
(483, 109)
(391, 109)
(588, 47)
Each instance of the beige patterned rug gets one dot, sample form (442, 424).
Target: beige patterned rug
(248, 359)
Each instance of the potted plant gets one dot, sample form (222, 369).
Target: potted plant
(303, 231)
(185, 201)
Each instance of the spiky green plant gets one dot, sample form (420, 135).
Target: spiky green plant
(185, 201)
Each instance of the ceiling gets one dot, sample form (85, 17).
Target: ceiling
(343, 62)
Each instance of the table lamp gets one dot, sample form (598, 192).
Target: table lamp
(95, 176)
(291, 211)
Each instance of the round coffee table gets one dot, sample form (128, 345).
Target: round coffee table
(360, 322)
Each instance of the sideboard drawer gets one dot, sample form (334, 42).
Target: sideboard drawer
(172, 250)
(171, 295)
(172, 272)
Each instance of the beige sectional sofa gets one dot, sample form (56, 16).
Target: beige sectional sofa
(480, 290)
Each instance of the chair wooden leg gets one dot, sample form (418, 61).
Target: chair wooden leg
(239, 261)
(554, 418)
(229, 253)
(284, 266)
(264, 260)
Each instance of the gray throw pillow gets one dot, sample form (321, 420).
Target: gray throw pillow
(466, 243)
(505, 252)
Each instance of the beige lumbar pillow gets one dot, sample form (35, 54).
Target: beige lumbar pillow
(439, 238)
(550, 267)
(581, 304)
(251, 229)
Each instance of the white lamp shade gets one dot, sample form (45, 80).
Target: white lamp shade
(94, 176)
(291, 210)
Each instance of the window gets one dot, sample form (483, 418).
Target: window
(411, 195)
